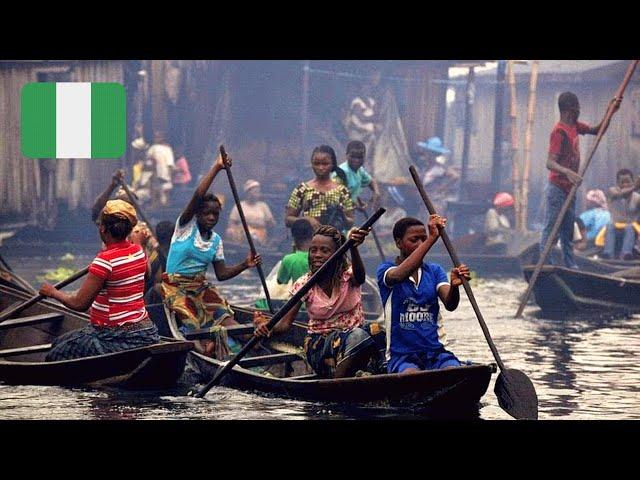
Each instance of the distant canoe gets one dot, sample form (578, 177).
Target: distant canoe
(469, 247)
(562, 292)
(586, 262)
(24, 342)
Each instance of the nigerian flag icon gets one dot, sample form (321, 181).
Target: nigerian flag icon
(73, 120)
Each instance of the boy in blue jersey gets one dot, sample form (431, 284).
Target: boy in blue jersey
(410, 288)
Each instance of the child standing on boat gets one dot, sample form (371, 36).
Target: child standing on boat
(338, 344)
(410, 288)
(185, 289)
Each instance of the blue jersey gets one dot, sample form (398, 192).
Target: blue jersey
(411, 311)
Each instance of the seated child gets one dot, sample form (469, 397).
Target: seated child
(410, 288)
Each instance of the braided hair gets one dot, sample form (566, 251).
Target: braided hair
(341, 265)
(334, 161)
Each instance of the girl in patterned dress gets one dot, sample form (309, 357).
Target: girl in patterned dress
(322, 200)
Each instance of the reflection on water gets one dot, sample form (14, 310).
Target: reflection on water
(582, 369)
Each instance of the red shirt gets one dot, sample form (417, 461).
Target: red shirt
(565, 143)
(122, 265)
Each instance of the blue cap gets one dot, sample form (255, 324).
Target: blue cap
(434, 144)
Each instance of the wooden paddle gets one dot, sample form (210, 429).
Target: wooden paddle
(556, 226)
(287, 306)
(136, 205)
(252, 247)
(516, 393)
(17, 278)
(375, 237)
(36, 298)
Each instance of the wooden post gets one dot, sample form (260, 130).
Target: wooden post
(497, 126)
(305, 107)
(468, 121)
(513, 114)
(531, 108)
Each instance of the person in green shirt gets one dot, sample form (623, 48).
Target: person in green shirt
(357, 177)
(296, 264)
(292, 266)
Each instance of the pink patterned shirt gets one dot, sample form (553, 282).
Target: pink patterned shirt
(343, 311)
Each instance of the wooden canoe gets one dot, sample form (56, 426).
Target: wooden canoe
(586, 261)
(562, 292)
(24, 342)
(278, 368)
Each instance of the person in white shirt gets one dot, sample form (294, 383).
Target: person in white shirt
(497, 227)
(160, 154)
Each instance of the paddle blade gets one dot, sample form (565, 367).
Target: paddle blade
(516, 394)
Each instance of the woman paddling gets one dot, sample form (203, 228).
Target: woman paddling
(113, 289)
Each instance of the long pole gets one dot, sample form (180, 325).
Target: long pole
(574, 188)
(375, 237)
(36, 298)
(136, 205)
(515, 391)
(531, 109)
(245, 226)
(18, 279)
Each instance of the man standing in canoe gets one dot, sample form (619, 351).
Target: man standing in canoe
(564, 163)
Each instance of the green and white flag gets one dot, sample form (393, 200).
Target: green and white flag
(73, 120)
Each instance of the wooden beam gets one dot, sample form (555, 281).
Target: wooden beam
(206, 334)
(25, 350)
(264, 360)
(31, 320)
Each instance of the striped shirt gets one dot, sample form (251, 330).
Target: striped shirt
(122, 265)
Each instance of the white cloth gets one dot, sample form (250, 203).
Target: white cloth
(163, 160)
(258, 215)
(496, 228)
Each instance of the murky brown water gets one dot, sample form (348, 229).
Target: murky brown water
(582, 369)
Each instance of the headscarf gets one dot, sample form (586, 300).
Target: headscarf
(598, 197)
(121, 209)
(249, 184)
(503, 200)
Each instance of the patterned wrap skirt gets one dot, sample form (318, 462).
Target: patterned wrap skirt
(198, 306)
(339, 345)
(92, 340)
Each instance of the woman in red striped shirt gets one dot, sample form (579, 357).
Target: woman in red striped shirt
(113, 290)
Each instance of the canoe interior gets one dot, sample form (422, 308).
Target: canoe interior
(293, 378)
(25, 340)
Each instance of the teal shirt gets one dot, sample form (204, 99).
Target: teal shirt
(293, 266)
(189, 253)
(356, 181)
